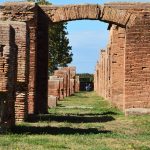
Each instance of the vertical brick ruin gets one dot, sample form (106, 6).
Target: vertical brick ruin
(21, 37)
(61, 80)
(110, 70)
(72, 79)
(97, 79)
(41, 98)
(32, 24)
(137, 63)
(58, 84)
(54, 88)
(117, 47)
(68, 80)
(63, 74)
(77, 84)
(8, 76)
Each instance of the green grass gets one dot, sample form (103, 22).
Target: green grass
(89, 123)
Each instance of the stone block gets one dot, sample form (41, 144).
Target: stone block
(52, 101)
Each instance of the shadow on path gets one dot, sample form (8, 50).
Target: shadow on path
(71, 118)
(56, 130)
(97, 114)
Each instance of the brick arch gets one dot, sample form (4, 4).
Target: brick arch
(103, 13)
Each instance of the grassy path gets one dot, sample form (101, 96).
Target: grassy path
(81, 122)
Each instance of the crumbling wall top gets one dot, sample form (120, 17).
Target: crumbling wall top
(18, 6)
(17, 11)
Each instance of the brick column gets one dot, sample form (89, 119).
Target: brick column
(41, 101)
(72, 76)
(97, 78)
(77, 82)
(102, 70)
(8, 65)
(32, 65)
(109, 71)
(137, 63)
(63, 74)
(68, 80)
(117, 65)
(54, 88)
(21, 36)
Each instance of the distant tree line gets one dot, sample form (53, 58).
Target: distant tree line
(86, 77)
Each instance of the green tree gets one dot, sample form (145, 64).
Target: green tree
(41, 2)
(59, 50)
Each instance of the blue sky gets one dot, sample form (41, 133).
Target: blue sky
(86, 37)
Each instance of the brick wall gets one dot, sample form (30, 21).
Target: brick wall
(110, 68)
(137, 63)
(122, 75)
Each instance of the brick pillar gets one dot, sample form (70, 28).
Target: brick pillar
(8, 65)
(77, 82)
(63, 74)
(21, 36)
(54, 88)
(102, 82)
(101, 77)
(97, 79)
(137, 63)
(109, 71)
(117, 65)
(61, 80)
(41, 102)
(68, 80)
(72, 86)
(32, 65)
(61, 83)
(72, 76)
(106, 74)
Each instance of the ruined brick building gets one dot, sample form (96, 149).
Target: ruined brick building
(24, 55)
